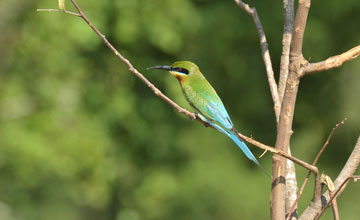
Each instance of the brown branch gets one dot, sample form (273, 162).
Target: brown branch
(328, 140)
(348, 170)
(265, 54)
(290, 177)
(314, 163)
(287, 111)
(299, 27)
(338, 191)
(280, 153)
(286, 40)
(332, 62)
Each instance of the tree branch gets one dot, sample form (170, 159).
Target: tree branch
(338, 191)
(291, 189)
(314, 163)
(286, 40)
(299, 29)
(290, 177)
(348, 171)
(311, 168)
(287, 111)
(332, 62)
(265, 54)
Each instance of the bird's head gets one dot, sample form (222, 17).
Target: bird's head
(181, 70)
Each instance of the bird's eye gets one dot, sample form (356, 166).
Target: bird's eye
(182, 70)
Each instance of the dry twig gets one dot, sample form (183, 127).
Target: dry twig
(332, 62)
(311, 168)
(265, 54)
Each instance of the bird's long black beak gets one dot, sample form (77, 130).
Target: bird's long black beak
(160, 68)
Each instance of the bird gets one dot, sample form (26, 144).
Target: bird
(203, 98)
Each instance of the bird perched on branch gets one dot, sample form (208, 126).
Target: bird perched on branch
(206, 102)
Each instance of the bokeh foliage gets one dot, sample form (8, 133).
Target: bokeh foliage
(82, 138)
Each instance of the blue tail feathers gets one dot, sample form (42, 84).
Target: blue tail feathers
(233, 135)
(245, 149)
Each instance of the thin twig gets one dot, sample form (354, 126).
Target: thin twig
(333, 62)
(265, 54)
(314, 163)
(334, 206)
(281, 153)
(59, 10)
(328, 140)
(338, 191)
(263, 153)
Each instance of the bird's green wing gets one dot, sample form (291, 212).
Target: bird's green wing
(208, 103)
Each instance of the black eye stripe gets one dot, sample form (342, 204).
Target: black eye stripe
(181, 70)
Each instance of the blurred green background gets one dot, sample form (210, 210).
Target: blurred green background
(82, 138)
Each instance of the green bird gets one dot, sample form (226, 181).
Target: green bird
(207, 104)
